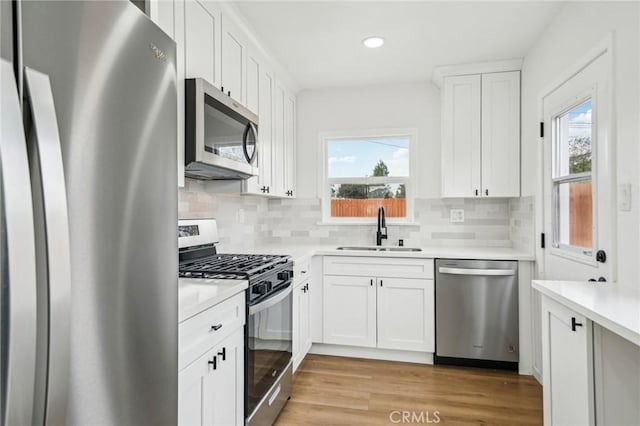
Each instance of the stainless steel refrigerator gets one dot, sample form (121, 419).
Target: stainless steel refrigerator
(88, 212)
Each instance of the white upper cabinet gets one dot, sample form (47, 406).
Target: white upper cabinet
(289, 144)
(501, 134)
(211, 44)
(260, 95)
(253, 81)
(202, 29)
(234, 61)
(461, 136)
(481, 135)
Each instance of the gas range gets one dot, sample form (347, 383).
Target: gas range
(268, 327)
(265, 273)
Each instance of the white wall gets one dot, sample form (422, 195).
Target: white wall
(414, 105)
(577, 28)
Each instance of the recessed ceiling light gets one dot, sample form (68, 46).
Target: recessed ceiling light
(373, 42)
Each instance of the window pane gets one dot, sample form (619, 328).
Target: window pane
(573, 142)
(574, 214)
(357, 200)
(368, 157)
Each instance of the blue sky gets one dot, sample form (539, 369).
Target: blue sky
(357, 157)
(580, 120)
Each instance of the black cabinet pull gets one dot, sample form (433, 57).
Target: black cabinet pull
(380, 283)
(214, 362)
(476, 192)
(371, 282)
(602, 280)
(215, 327)
(268, 189)
(601, 256)
(229, 93)
(223, 353)
(575, 324)
(486, 192)
(592, 280)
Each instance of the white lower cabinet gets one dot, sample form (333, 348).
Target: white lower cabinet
(405, 314)
(301, 323)
(211, 387)
(392, 310)
(211, 390)
(567, 349)
(349, 310)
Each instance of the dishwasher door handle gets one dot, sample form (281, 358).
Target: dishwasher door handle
(484, 272)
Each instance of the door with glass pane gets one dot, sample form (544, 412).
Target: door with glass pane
(578, 180)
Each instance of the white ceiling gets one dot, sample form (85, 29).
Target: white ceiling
(320, 43)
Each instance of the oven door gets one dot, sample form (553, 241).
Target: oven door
(269, 332)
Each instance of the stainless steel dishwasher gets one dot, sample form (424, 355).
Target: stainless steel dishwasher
(477, 313)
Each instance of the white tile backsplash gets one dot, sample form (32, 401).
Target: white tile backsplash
(246, 221)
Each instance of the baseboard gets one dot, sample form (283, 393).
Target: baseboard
(537, 374)
(372, 353)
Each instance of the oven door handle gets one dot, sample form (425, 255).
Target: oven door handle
(273, 300)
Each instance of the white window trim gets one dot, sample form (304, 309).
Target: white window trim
(410, 182)
(568, 251)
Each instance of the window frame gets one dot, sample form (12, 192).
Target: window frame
(577, 253)
(324, 185)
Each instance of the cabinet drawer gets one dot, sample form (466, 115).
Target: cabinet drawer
(301, 271)
(391, 267)
(199, 334)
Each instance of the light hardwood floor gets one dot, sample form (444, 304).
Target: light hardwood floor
(348, 391)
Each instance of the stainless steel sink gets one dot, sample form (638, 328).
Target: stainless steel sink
(370, 248)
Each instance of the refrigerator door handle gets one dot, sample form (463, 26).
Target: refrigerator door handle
(47, 150)
(18, 303)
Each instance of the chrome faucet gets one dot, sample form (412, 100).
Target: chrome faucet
(382, 227)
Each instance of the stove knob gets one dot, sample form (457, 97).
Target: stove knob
(284, 276)
(259, 289)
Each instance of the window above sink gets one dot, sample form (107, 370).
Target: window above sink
(365, 170)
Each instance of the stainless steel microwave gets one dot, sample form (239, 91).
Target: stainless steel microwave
(221, 136)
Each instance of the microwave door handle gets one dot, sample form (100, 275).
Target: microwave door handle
(55, 218)
(251, 128)
(271, 301)
(18, 259)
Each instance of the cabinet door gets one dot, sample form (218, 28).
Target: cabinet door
(162, 14)
(567, 366)
(223, 390)
(278, 145)
(349, 310)
(305, 322)
(214, 395)
(406, 314)
(234, 61)
(253, 80)
(289, 144)
(461, 136)
(262, 184)
(501, 134)
(300, 323)
(202, 41)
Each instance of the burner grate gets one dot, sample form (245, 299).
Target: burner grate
(229, 265)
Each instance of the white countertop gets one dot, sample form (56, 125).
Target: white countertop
(301, 252)
(612, 305)
(197, 295)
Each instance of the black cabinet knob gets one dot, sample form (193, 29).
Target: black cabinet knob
(486, 192)
(229, 93)
(602, 280)
(601, 256)
(575, 324)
